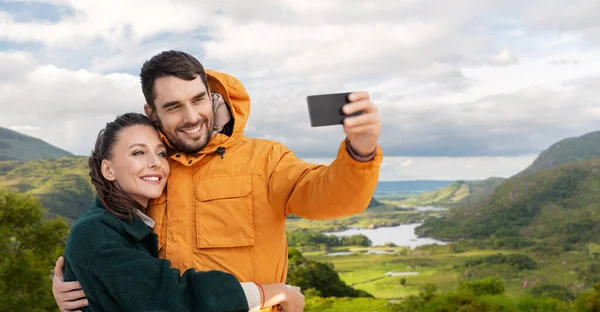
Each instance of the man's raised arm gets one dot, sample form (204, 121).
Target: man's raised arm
(343, 188)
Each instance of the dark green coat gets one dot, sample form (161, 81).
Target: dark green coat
(118, 267)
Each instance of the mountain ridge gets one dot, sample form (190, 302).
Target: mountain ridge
(17, 146)
(456, 193)
(586, 146)
(559, 205)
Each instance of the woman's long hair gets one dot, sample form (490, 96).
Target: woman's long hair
(114, 200)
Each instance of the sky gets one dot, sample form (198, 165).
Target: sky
(467, 89)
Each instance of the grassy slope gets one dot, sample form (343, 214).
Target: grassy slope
(444, 268)
(457, 193)
(61, 184)
(558, 204)
(565, 151)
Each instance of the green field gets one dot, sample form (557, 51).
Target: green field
(440, 266)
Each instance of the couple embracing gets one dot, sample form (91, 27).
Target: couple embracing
(213, 237)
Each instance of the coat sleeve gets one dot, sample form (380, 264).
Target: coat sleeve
(343, 188)
(136, 281)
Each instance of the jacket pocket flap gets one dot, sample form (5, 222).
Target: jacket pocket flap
(223, 187)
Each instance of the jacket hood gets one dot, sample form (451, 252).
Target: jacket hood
(235, 95)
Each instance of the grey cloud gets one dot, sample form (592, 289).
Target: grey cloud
(15, 66)
(290, 52)
(555, 15)
(66, 108)
(521, 123)
(579, 17)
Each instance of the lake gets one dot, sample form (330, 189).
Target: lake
(429, 208)
(402, 235)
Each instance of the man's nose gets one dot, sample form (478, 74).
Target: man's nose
(190, 115)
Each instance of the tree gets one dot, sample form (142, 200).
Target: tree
(319, 278)
(403, 281)
(554, 291)
(593, 302)
(304, 238)
(491, 285)
(588, 302)
(355, 240)
(428, 292)
(29, 244)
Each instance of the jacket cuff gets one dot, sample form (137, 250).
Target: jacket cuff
(225, 295)
(252, 296)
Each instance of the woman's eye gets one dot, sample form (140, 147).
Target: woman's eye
(162, 154)
(137, 153)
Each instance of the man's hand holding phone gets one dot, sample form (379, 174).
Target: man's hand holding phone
(362, 130)
(355, 111)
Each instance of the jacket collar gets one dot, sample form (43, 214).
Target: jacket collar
(137, 229)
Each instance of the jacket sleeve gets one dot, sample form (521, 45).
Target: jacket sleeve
(343, 188)
(136, 281)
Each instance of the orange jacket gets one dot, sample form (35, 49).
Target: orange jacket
(228, 213)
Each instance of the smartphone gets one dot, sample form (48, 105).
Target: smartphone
(326, 109)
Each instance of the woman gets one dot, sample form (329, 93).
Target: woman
(112, 251)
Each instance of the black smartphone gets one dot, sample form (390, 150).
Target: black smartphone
(326, 109)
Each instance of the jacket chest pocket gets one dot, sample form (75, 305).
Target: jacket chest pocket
(224, 216)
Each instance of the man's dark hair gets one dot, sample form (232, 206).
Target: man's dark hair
(169, 63)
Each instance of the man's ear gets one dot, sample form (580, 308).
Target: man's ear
(107, 170)
(149, 112)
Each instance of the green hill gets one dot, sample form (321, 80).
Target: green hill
(565, 151)
(62, 185)
(559, 205)
(456, 193)
(374, 203)
(17, 146)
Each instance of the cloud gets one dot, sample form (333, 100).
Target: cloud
(113, 21)
(526, 119)
(447, 168)
(24, 128)
(406, 163)
(580, 16)
(345, 52)
(453, 80)
(504, 58)
(66, 108)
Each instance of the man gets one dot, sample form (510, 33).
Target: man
(228, 195)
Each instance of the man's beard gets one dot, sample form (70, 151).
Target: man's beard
(181, 144)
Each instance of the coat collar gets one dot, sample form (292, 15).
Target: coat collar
(137, 229)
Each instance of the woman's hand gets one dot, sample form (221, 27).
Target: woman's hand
(287, 298)
(294, 300)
